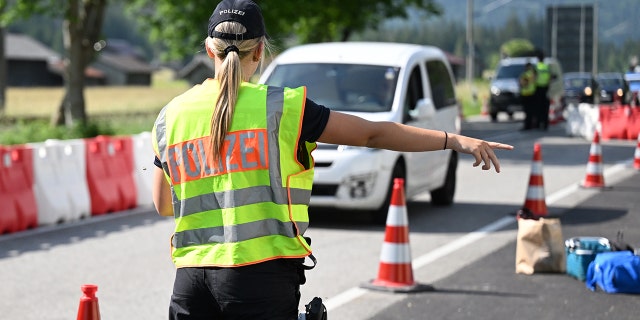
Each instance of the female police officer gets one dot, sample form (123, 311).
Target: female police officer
(235, 172)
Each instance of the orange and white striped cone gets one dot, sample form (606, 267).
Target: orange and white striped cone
(395, 272)
(484, 109)
(535, 200)
(594, 177)
(636, 155)
(88, 308)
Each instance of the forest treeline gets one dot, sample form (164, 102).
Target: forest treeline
(450, 35)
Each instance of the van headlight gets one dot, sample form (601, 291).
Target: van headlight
(361, 186)
(495, 91)
(587, 91)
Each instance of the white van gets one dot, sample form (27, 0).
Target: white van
(403, 83)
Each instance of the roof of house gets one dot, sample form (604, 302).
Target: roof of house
(125, 63)
(23, 47)
(57, 67)
(197, 61)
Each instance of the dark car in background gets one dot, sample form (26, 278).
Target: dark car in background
(505, 90)
(613, 87)
(581, 87)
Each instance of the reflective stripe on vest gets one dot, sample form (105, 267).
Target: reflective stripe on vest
(259, 209)
(543, 76)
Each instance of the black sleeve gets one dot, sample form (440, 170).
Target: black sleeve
(157, 162)
(314, 121)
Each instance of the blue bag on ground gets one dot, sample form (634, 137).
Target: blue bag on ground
(614, 272)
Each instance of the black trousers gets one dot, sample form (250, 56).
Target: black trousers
(268, 290)
(530, 114)
(542, 108)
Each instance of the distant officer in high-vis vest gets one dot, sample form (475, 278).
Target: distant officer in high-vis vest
(543, 78)
(234, 169)
(527, 82)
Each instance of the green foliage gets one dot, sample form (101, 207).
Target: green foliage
(22, 9)
(472, 96)
(516, 47)
(24, 131)
(181, 26)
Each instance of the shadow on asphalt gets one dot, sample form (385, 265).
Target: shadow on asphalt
(580, 216)
(47, 237)
(460, 218)
(484, 293)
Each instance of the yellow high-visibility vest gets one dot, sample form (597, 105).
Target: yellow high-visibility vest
(543, 76)
(527, 83)
(252, 205)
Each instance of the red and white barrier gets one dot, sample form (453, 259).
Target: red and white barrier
(54, 206)
(72, 166)
(143, 167)
(16, 183)
(59, 181)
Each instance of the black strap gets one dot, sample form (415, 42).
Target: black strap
(314, 260)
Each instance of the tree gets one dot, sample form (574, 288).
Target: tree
(3, 62)
(516, 47)
(82, 25)
(181, 26)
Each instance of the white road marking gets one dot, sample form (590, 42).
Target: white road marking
(422, 261)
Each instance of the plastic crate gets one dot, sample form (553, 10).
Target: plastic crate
(581, 251)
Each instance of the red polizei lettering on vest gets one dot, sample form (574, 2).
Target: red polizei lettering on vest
(242, 151)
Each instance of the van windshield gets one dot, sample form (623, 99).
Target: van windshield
(511, 71)
(341, 87)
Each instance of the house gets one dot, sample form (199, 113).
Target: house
(457, 65)
(121, 70)
(29, 61)
(197, 70)
(32, 64)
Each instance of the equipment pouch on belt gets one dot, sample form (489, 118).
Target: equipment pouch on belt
(316, 310)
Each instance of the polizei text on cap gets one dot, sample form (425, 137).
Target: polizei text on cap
(232, 11)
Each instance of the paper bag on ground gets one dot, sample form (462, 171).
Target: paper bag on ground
(540, 246)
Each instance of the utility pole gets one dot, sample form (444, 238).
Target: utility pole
(470, 44)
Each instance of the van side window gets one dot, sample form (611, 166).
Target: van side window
(442, 90)
(415, 92)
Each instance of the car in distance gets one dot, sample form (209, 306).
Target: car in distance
(581, 87)
(613, 87)
(505, 90)
(633, 80)
(403, 83)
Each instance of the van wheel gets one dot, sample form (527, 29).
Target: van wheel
(494, 116)
(379, 216)
(443, 196)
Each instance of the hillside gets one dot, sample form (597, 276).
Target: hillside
(618, 20)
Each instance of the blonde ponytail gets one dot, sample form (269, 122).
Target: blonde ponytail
(230, 78)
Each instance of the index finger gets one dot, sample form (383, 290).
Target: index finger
(503, 146)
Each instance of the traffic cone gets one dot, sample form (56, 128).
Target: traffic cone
(636, 155)
(88, 308)
(535, 200)
(395, 272)
(594, 177)
(484, 109)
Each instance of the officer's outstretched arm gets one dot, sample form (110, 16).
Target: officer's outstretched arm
(345, 129)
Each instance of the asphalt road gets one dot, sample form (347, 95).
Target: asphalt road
(489, 288)
(466, 251)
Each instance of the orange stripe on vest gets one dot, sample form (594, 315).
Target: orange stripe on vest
(242, 151)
